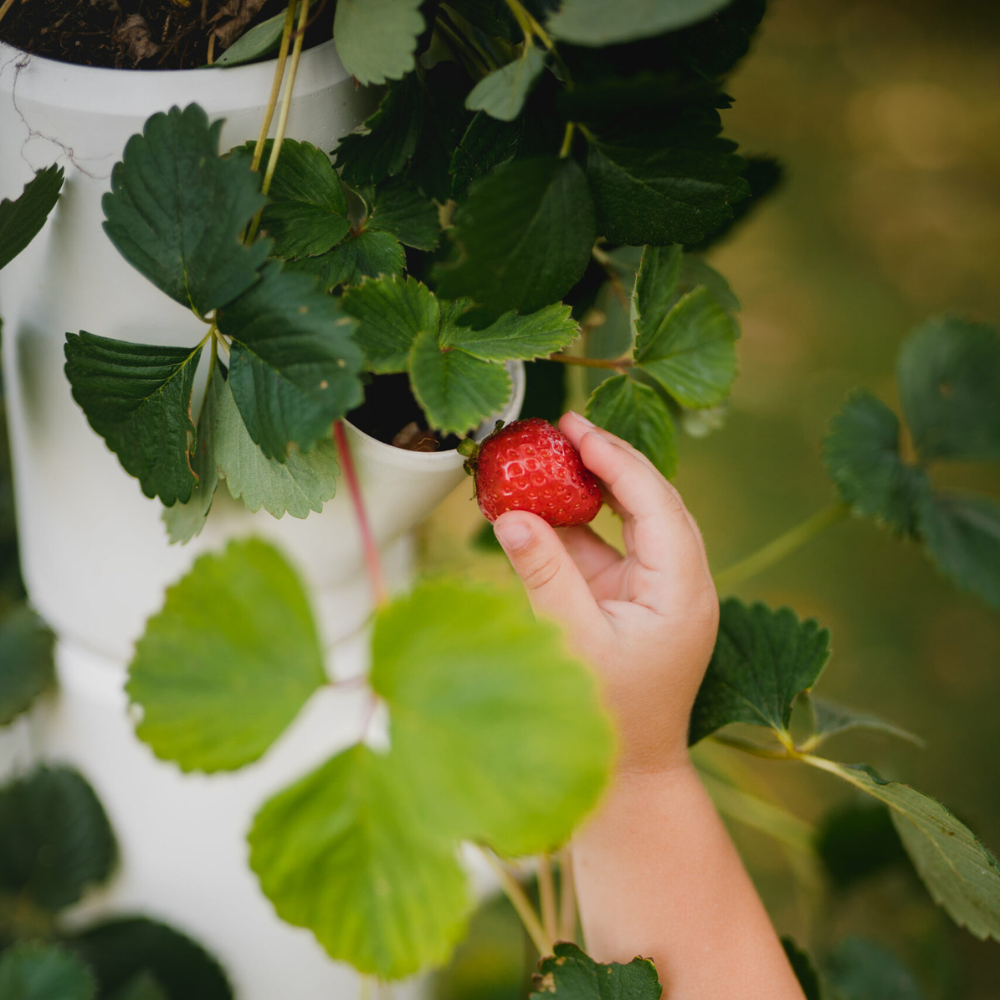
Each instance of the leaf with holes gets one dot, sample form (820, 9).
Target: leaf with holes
(377, 39)
(26, 646)
(571, 974)
(21, 220)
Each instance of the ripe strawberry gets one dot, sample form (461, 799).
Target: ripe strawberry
(529, 465)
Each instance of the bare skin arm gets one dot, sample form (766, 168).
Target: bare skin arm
(657, 874)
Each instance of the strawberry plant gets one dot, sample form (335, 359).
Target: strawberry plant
(528, 167)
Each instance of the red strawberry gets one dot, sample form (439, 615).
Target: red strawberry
(529, 465)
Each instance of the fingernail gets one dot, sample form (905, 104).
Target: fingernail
(582, 418)
(512, 535)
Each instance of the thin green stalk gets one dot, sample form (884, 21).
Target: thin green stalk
(567, 897)
(279, 75)
(569, 359)
(782, 546)
(547, 897)
(522, 905)
(6, 7)
(567, 145)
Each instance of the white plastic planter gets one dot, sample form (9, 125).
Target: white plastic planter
(94, 552)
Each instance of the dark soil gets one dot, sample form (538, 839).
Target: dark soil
(144, 34)
(388, 412)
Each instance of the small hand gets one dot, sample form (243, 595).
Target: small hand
(646, 620)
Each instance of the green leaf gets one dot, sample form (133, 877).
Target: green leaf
(858, 840)
(527, 232)
(695, 272)
(960, 873)
(535, 335)
(485, 145)
(34, 971)
(456, 391)
(55, 839)
(121, 949)
(862, 970)
(307, 213)
(228, 662)
(391, 313)
(143, 987)
(498, 731)
(861, 451)
(366, 255)
(692, 353)
(261, 40)
(961, 532)
(341, 852)
(294, 366)
(656, 287)
(948, 372)
(675, 183)
(762, 660)
(176, 211)
(300, 484)
(377, 39)
(400, 209)
(138, 398)
(26, 645)
(637, 414)
(589, 22)
(503, 92)
(570, 974)
(829, 719)
(803, 968)
(21, 220)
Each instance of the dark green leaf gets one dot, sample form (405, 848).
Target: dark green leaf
(21, 220)
(656, 287)
(637, 414)
(366, 255)
(962, 534)
(294, 366)
(527, 232)
(401, 210)
(762, 660)
(259, 41)
(176, 211)
(34, 971)
(858, 840)
(119, 950)
(863, 970)
(491, 16)
(861, 450)
(590, 22)
(512, 336)
(26, 657)
(143, 987)
(456, 391)
(949, 384)
(55, 840)
(695, 272)
(138, 398)
(486, 144)
(391, 312)
(228, 662)
(829, 719)
(803, 968)
(544, 391)
(377, 39)
(570, 974)
(341, 852)
(503, 92)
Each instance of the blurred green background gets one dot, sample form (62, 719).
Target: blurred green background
(886, 115)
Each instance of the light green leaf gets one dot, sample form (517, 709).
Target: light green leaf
(341, 852)
(571, 974)
(861, 451)
(228, 662)
(377, 39)
(862, 970)
(399, 208)
(391, 313)
(692, 353)
(527, 231)
(829, 719)
(637, 414)
(55, 839)
(176, 211)
(138, 398)
(34, 971)
(294, 365)
(498, 731)
(259, 41)
(535, 335)
(961, 532)
(503, 92)
(656, 286)
(591, 22)
(366, 255)
(300, 484)
(960, 873)
(26, 645)
(21, 220)
(456, 391)
(762, 660)
(695, 271)
(948, 373)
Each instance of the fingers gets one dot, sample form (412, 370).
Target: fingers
(555, 585)
(589, 551)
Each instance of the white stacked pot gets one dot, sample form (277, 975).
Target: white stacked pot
(94, 552)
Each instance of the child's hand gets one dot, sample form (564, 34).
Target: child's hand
(647, 620)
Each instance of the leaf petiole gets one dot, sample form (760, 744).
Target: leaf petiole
(522, 905)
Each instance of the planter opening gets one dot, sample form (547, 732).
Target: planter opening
(391, 414)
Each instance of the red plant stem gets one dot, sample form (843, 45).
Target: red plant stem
(373, 560)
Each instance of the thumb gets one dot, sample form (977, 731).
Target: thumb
(555, 585)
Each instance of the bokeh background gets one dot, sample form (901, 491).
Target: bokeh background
(886, 116)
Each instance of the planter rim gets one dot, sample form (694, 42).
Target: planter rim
(129, 91)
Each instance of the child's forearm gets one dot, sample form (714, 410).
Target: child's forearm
(658, 876)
